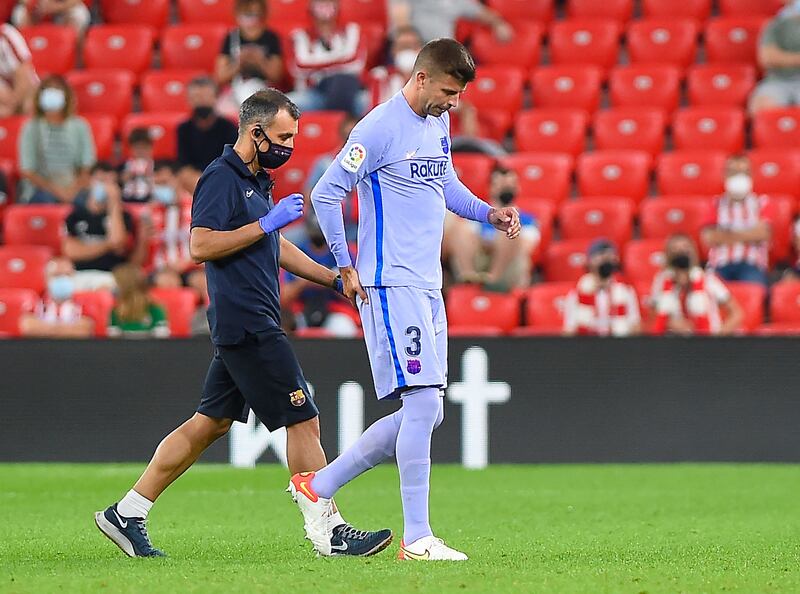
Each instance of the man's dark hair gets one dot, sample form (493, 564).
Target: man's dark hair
(202, 81)
(446, 56)
(242, 4)
(166, 164)
(103, 166)
(140, 136)
(406, 30)
(262, 106)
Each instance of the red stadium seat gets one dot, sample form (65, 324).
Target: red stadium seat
(13, 304)
(104, 129)
(289, 11)
(661, 217)
(586, 41)
(642, 259)
(632, 128)
(720, 84)
(690, 172)
(9, 169)
(492, 123)
(542, 175)
(165, 90)
(128, 47)
(776, 171)
(750, 297)
(22, 266)
(749, 7)
(96, 305)
(163, 128)
(699, 10)
(218, 12)
(363, 11)
(551, 130)
(319, 132)
(712, 128)
(590, 218)
(522, 51)
(474, 170)
(662, 41)
(576, 87)
(778, 329)
(9, 132)
(180, 305)
(782, 211)
(291, 177)
(53, 48)
(785, 302)
(545, 212)
(35, 224)
(153, 13)
(544, 308)
(619, 10)
(524, 10)
(614, 173)
(777, 128)
(191, 47)
(646, 86)
(108, 92)
(497, 87)
(565, 261)
(469, 306)
(732, 39)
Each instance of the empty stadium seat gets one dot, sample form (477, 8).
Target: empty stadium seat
(35, 224)
(662, 41)
(319, 132)
(524, 10)
(22, 266)
(619, 10)
(750, 7)
(576, 87)
(9, 132)
(53, 48)
(646, 86)
(542, 175)
(165, 90)
(614, 173)
(96, 305)
(699, 10)
(474, 170)
(208, 11)
(522, 51)
(163, 128)
(104, 129)
(363, 11)
(191, 47)
(492, 123)
(642, 259)
(553, 130)
(291, 177)
(775, 171)
(544, 308)
(469, 306)
(720, 84)
(590, 218)
(103, 91)
(585, 41)
(153, 13)
(784, 304)
(661, 217)
(750, 297)
(633, 128)
(565, 261)
(732, 39)
(128, 47)
(545, 212)
(690, 172)
(712, 128)
(289, 11)
(777, 128)
(497, 87)
(14, 303)
(180, 305)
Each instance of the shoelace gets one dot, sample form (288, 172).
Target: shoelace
(143, 530)
(350, 532)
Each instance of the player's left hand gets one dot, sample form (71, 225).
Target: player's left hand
(506, 219)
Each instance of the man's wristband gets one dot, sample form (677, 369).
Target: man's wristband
(338, 285)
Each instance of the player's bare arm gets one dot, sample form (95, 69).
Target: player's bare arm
(295, 261)
(208, 244)
(506, 219)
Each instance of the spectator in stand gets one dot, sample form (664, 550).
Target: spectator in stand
(386, 81)
(18, 78)
(478, 254)
(135, 315)
(56, 148)
(602, 304)
(438, 19)
(738, 229)
(202, 137)
(58, 316)
(687, 299)
(793, 273)
(250, 59)
(72, 13)
(137, 173)
(329, 61)
(779, 58)
(312, 305)
(100, 233)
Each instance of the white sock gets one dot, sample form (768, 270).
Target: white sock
(134, 505)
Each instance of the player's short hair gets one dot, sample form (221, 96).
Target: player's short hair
(140, 135)
(262, 107)
(446, 56)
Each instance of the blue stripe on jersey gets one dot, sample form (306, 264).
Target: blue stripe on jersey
(398, 370)
(377, 197)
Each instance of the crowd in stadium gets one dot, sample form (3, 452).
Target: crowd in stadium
(651, 147)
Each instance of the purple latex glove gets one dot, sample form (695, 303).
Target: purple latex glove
(287, 210)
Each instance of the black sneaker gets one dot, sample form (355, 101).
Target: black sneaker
(346, 540)
(129, 534)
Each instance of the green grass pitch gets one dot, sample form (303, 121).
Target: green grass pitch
(594, 529)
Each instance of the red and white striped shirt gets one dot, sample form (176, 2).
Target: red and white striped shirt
(740, 215)
(67, 312)
(315, 59)
(13, 52)
(699, 301)
(173, 235)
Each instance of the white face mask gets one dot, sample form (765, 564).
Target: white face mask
(404, 60)
(52, 99)
(739, 185)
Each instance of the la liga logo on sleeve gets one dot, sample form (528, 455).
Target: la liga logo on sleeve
(354, 157)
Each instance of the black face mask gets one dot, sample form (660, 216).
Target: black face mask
(506, 197)
(680, 261)
(606, 269)
(202, 112)
(275, 156)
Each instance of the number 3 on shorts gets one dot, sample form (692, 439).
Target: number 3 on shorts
(415, 348)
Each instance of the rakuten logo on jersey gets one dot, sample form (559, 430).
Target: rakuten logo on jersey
(427, 170)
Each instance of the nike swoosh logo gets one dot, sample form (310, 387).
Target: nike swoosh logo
(341, 547)
(304, 488)
(248, 193)
(424, 556)
(122, 523)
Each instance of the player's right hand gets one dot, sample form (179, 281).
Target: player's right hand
(352, 285)
(289, 209)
